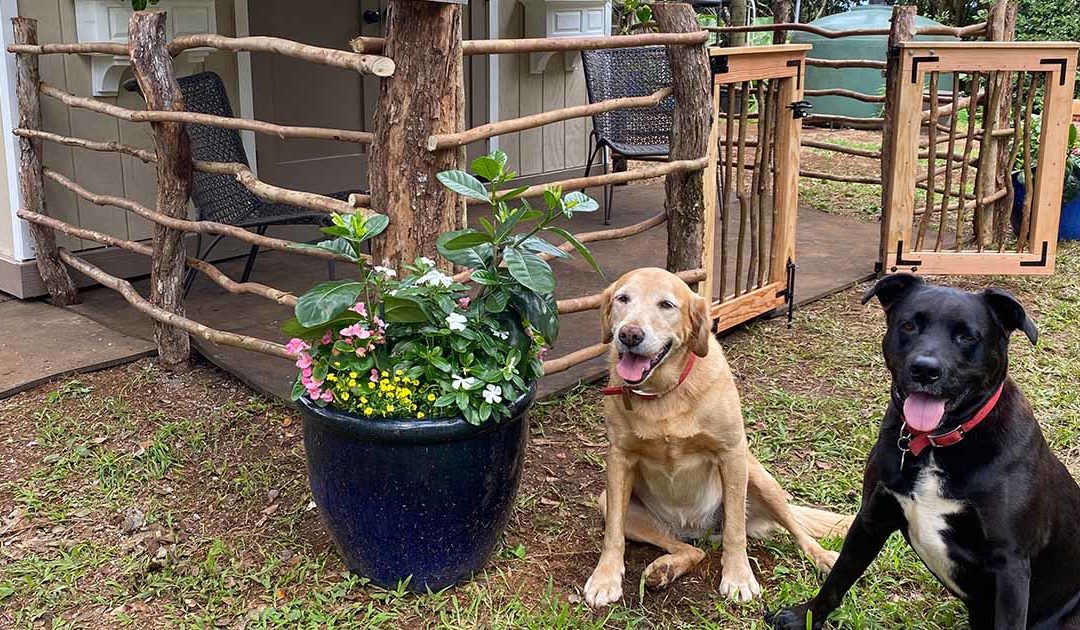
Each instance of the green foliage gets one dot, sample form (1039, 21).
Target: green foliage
(424, 345)
(140, 5)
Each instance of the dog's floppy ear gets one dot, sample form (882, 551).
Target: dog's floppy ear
(700, 326)
(1010, 313)
(892, 288)
(605, 315)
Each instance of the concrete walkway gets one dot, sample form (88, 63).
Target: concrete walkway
(40, 342)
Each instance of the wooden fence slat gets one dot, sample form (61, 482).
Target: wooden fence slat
(364, 64)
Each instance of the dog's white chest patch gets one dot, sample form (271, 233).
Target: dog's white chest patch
(925, 510)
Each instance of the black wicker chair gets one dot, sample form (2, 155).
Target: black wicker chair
(641, 133)
(221, 198)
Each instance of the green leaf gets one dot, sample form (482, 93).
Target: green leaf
(579, 246)
(485, 277)
(540, 246)
(463, 239)
(374, 225)
(487, 166)
(533, 273)
(402, 310)
(513, 193)
(496, 302)
(472, 257)
(326, 301)
(337, 230)
(338, 246)
(541, 311)
(297, 390)
(463, 184)
(552, 199)
(578, 201)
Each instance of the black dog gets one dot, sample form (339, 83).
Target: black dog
(961, 468)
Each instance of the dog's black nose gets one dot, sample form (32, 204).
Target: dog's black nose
(925, 370)
(631, 336)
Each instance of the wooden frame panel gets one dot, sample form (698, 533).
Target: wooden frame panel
(1058, 61)
(787, 64)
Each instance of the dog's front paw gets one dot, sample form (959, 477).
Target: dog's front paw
(738, 582)
(793, 618)
(824, 559)
(604, 586)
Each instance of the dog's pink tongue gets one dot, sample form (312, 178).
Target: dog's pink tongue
(631, 367)
(923, 412)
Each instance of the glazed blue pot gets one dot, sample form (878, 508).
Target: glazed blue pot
(1069, 225)
(423, 500)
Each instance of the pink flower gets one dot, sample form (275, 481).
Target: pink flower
(374, 375)
(543, 353)
(356, 330)
(314, 394)
(464, 302)
(327, 338)
(310, 383)
(361, 351)
(304, 361)
(306, 372)
(360, 309)
(327, 396)
(296, 346)
(380, 323)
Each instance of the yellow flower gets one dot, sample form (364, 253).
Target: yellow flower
(370, 385)
(352, 382)
(431, 397)
(419, 414)
(344, 395)
(389, 408)
(384, 374)
(331, 377)
(399, 372)
(368, 411)
(363, 400)
(353, 374)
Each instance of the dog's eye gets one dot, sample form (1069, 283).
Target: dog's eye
(966, 338)
(908, 327)
(622, 298)
(666, 305)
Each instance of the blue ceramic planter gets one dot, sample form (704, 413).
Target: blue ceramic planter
(420, 499)
(1069, 225)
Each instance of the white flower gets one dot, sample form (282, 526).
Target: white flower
(425, 261)
(492, 394)
(386, 271)
(435, 277)
(456, 321)
(462, 382)
(501, 334)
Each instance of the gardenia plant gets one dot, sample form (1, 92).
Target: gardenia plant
(423, 344)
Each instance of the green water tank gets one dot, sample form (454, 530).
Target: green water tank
(865, 80)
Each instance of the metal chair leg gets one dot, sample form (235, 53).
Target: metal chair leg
(594, 148)
(189, 279)
(250, 264)
(609, 191)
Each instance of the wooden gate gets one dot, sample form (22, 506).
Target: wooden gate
(951, 191)
(751, 183)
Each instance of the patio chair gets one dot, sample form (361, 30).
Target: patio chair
(221, 198)
(638, 134)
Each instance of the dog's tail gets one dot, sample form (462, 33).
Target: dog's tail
(820, 523)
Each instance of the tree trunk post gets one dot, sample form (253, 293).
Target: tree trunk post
(781, 15)
(685, 193)
(54, 274)
(902, 29)
(738, 18)
(152, 65)
(425, 96)
(994, 159)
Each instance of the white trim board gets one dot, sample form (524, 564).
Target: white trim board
(22, 245)
(493, 71)
(247, 94)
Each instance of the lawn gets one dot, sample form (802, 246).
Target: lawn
(136, 498)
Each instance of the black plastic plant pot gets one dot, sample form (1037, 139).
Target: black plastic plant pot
(418, 500)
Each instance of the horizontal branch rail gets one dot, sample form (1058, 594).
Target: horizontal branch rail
(569, 44)
(186, 225)
(806, 28)
(203, 267)
(858, 96)
(124, 288)
(845, 121)
(262, 190)
(846, 63)
(365, 64)
(489, 130)
(83, 48)
(596, 300)
(240, 124)
(645, 172)
(955, 31)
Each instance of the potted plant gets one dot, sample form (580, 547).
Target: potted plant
(1069, 224)
(414, 388)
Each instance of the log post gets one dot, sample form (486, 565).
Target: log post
(685, 193)
(902, 29)
(424, 97)
(152, 65)
(1000, 26)
(781, 15)
(31, 179)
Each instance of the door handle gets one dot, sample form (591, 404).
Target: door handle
(372, 17)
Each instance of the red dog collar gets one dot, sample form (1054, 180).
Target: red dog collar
(626, 391)
(917, 441)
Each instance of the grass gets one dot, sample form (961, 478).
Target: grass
(133, 498)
